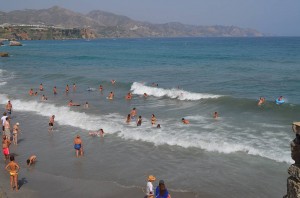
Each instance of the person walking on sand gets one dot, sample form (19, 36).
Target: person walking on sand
(31, 160)
(5, 147)
(149, 187)
(78, 146)
(51, 123)
(8, 107)
(7, 128)
(16, 131)
(13, 168)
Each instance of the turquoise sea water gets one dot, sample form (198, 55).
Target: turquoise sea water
(195, 77)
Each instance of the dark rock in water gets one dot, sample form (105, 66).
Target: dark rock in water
(295, 151)
(4, 54)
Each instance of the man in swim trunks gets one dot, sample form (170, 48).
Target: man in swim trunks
(8, 107)
(13, 169)
(5, 147)
(51, 123)
(31, 160)
(78, 146)
(3, 119)
(7, 128)
(16, 130)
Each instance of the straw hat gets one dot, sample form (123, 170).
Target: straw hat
(296, 123)
(151, 178)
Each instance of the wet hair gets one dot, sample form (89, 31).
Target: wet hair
(182, 119)
(28, 161)
(158, 126)
(11, 158)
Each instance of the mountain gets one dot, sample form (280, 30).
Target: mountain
(104, 24)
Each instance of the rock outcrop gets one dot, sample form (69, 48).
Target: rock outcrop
(293, 182)
(4, 54)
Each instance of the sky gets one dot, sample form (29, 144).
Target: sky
(275, 17)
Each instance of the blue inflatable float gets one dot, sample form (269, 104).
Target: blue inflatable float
(279, 101)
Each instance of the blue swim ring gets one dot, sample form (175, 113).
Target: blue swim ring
(279, 101)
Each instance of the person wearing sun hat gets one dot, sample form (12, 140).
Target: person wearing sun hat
(16, 130)
(149, 188)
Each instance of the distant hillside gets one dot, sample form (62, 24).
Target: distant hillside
(102, 24)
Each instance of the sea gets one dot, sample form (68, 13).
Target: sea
(245, 152)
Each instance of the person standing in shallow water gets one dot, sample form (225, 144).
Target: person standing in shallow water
(13, 169)
(139, 121)
(5, 147)
(16, 131)
(161, 190)
(78, 146)
(51, 123)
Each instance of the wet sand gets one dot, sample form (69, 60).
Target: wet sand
(58, 173)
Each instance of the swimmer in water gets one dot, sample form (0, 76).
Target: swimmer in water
(261, 101)
(51, 123)
(41, 87)
(128, 119)
(43, 98)
(113, 81)
(67, 89)
(86, 105)
(184, 121)
(216, 115)
(100, 88)
(153, 119)
(133, 113)
(145, 95)
(74, 87)
(139, 121)
(31, 93)
(158, 126)
(128, 96)
(54, 90)
(111, 95)
(70, 104)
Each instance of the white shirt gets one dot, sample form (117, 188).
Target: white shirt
(149, 188)
(3, 119)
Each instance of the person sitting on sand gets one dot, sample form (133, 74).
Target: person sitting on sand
(149, 187)
(31, 160)
(161, 190)
(13, 169)
(70, 104)
(78, 146)
(184, 121)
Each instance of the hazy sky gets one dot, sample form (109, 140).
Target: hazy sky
(278, 17)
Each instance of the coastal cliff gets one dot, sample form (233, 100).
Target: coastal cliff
(60, 23)
(293, 182)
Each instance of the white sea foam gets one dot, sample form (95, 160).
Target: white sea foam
(140, 89)
(217, 137)
(3, 83)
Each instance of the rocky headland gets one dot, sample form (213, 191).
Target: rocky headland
(60, 23)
